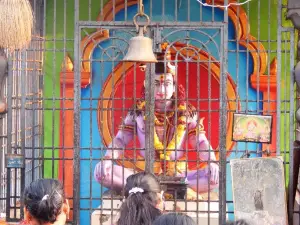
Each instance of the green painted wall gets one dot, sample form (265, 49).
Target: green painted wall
(58, 13)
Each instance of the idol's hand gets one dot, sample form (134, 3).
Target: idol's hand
(103, 169)
(212, 171)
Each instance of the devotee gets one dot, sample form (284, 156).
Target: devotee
(144, 200)
(238, 222)
(174, 219)
(45, 203)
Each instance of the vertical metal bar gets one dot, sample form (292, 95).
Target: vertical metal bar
(237, 72)
(42, 85)
(176, 10)
(223, 119)
(54, 88)
(89, 9)
(77, 98)
(23, 102)
(189, 11)
(126, 10)
(284, 136)
(101, 127)
(163, 10)
(291, 133)
(8, 173)
(149, 97)
(269, 55)
(9, 132)
(63, 149)
(278, 97)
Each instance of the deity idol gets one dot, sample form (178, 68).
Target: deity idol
(176, 125)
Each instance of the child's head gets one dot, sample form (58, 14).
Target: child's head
(143, 197)
(174, 219)
(238, 222)
(44, 201)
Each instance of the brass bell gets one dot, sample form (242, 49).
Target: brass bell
(140, 49)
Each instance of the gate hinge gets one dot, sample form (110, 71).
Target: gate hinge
(157, 39)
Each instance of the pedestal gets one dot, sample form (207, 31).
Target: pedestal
(258, 186)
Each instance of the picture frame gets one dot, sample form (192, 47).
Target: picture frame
(252, 128)
(14, 161)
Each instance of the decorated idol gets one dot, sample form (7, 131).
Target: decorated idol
(177, 125)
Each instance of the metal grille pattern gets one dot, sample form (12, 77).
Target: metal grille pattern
(21, 127)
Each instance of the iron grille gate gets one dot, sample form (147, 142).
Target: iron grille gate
(188, 49)
(27, 136)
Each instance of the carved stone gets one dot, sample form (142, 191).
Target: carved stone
(259, 191)
(3, 73)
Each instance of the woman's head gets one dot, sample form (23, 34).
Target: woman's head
(44, 201)
(174, 219)
(143, 195)
(238, 222)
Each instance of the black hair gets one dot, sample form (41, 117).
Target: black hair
(139, 208)
(174, 219)
(237, 222)
(44, 199)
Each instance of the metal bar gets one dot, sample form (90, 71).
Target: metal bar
(223, 121)
(291, 132)
(63, 92)
(77, 97)
(23, 142)
(165, 24)
(149, 113)
(8, 183)
(279, 33)
(42, 82)
(9, 130)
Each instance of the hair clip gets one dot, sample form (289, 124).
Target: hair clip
(136, 190)
(45, 197)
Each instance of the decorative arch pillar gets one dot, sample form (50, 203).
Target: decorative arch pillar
(66, 137)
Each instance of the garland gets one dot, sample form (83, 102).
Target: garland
(178, 134)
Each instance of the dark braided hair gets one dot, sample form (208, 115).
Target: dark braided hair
(140, 208)
(238, 222)
(174, 219)
(44, 199)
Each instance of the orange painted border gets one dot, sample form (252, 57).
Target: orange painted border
(266, 84)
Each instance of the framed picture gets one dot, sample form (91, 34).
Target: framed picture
(252, 128)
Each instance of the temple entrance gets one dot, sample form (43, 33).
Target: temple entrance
(120, 92)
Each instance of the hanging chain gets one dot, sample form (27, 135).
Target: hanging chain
(141, 13)
(141, 8)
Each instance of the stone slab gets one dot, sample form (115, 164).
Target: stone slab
(258, 186)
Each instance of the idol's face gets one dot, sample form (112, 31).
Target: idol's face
(164, 87)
